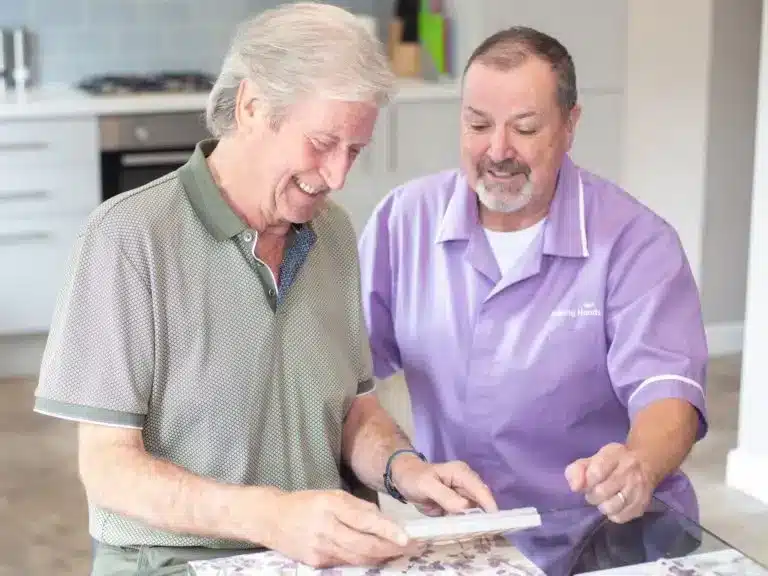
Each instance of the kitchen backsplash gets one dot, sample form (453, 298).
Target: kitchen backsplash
(72, 39)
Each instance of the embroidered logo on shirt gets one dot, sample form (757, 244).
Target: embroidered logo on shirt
(586, 309)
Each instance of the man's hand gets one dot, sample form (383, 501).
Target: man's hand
(615, 480)
(439, 488)
(333, 528)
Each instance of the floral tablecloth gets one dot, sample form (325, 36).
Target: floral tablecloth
(483, 556)
(491, 556)
(722, 563)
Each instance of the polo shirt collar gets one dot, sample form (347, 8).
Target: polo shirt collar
(206, 197)
(461, 216)
(564, 231)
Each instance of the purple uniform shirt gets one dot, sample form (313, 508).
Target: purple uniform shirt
(521, 374)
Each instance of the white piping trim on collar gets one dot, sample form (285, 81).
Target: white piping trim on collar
(582, 222)
(253, 252)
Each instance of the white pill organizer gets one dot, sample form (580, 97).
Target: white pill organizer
(471, 524)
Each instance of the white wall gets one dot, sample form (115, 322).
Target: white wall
(689, 139)
(748, 463)
(733, 88)
(666, 120)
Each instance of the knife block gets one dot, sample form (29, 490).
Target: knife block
(404, 57)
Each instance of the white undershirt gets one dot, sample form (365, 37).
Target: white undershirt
(508, 247)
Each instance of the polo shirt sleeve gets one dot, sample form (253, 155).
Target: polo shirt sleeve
(657, 344)
(365, 382)
(98, 362)
(361, 349)
(376, 271)
(356, 335)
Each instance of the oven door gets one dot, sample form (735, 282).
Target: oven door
(139, 148)
(123, 171)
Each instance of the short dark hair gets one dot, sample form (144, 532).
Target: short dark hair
(508, 48)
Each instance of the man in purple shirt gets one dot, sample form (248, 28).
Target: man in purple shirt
(547, 323)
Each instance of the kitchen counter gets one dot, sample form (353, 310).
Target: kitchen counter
(63, 101)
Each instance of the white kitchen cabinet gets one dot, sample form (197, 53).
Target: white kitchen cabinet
(51, 192)
(365, 184)
(50, 183)
(47, 144)
(424, 138)
(412, 138)
(33, 257)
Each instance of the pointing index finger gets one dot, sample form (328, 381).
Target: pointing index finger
(469, 484)
(439, 491)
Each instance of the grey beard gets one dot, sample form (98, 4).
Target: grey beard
(501, 201)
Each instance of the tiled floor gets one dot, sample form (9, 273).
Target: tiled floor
(43, 529)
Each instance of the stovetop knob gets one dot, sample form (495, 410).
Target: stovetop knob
(141, 133)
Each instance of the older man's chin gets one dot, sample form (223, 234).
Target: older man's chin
(506, 203)
(304, 214)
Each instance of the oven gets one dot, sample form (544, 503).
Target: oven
(139, 148)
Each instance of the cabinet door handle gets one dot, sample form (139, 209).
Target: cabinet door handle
(11, 195)
(18, 146)
(24, 237)
(154, 159)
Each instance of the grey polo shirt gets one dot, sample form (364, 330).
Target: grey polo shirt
(168, 323)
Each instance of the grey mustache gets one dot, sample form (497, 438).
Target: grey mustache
(511, 166)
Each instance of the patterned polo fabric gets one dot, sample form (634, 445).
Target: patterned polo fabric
(168, 323)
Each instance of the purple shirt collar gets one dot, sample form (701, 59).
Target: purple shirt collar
(565, 230)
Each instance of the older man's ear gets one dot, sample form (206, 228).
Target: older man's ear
(573, 120)
(249, 115)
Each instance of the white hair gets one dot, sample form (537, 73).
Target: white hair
(299, 50)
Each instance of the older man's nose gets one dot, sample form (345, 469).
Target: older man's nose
(335, 171)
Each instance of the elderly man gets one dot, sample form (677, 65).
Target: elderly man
(209, 338)
(547, 323)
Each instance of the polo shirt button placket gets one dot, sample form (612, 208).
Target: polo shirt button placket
(482, 378)
(248, 236)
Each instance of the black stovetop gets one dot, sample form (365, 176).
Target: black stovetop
(174, 82)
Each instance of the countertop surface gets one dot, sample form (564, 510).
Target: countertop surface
(56, 101)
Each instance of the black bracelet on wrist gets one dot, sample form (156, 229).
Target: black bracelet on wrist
(388, 484)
